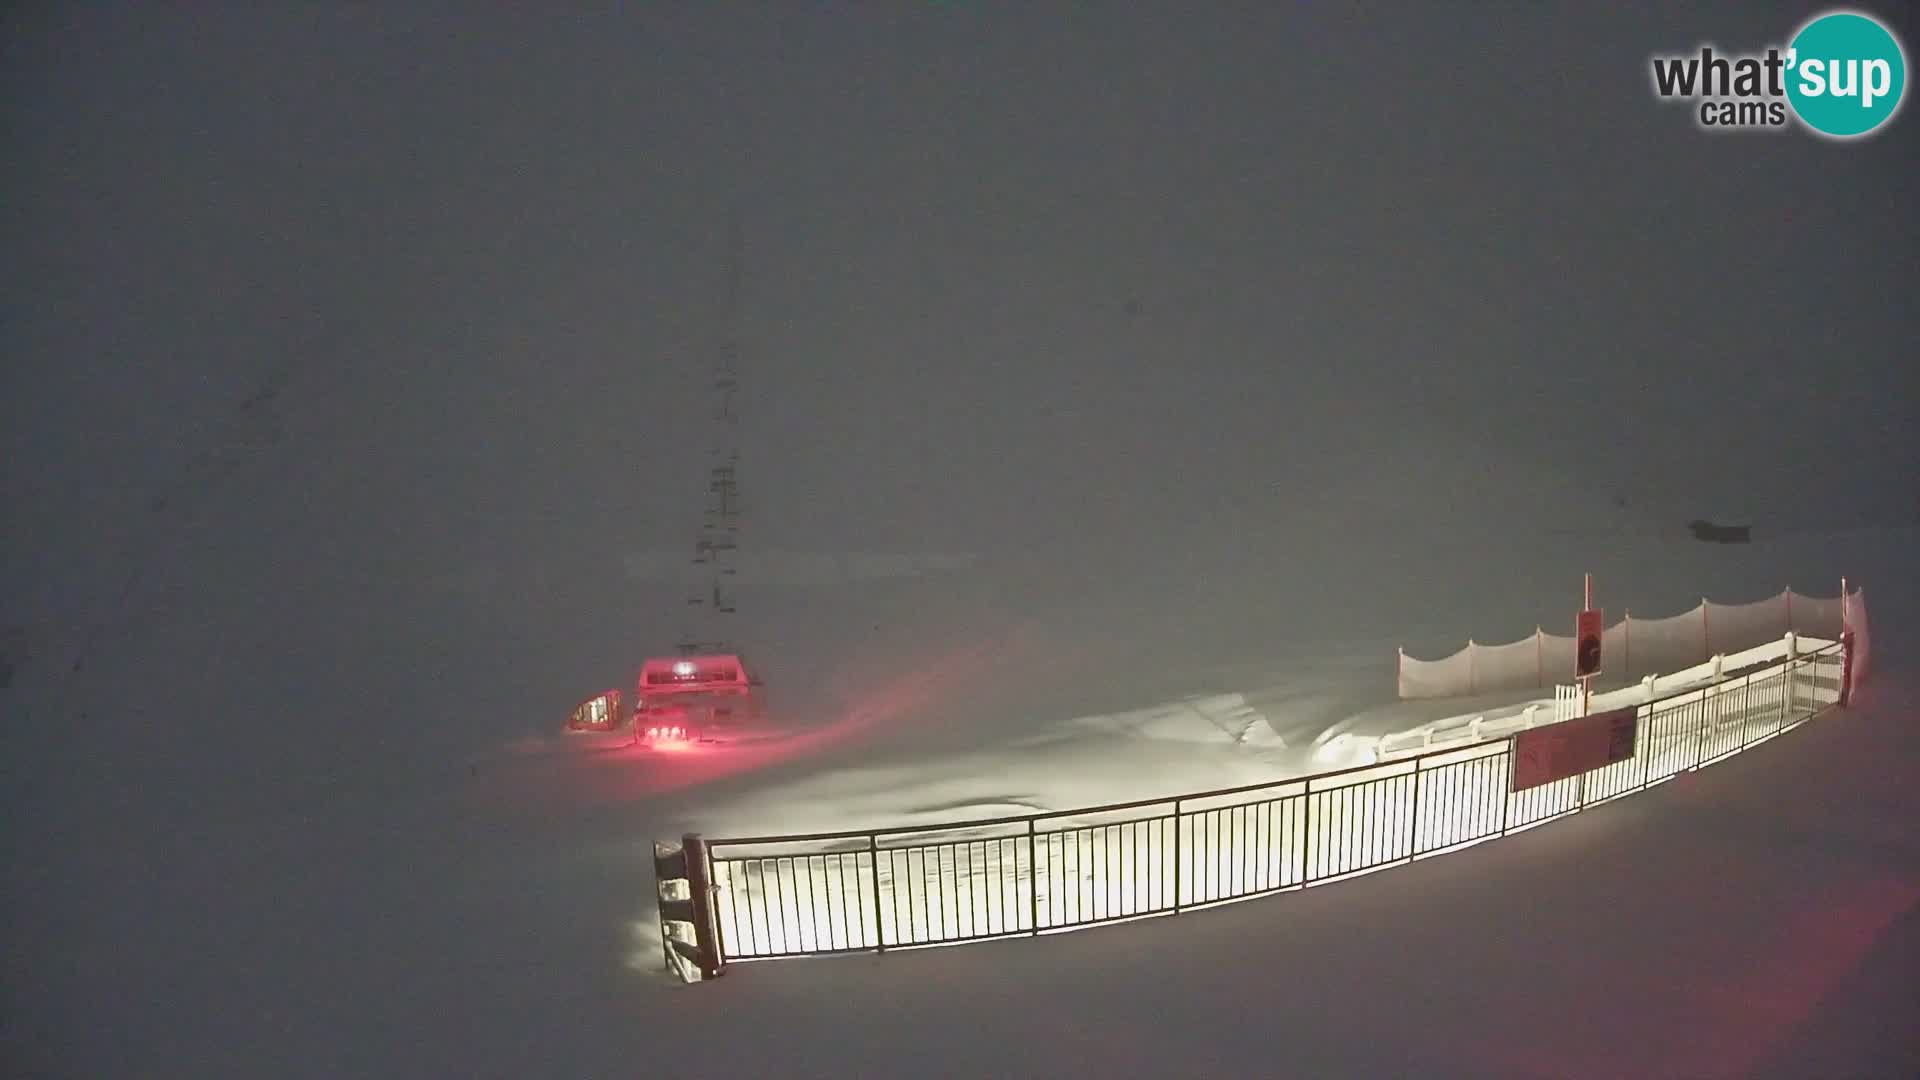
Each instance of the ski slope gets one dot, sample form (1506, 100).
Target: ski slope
(281, 802)
(295, 808)
(487, 911)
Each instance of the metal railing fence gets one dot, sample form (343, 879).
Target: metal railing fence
(778, 896)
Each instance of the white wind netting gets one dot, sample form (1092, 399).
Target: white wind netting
(1450, 677)
(1616, 650)
(1819, 616)
(1520, 663)
(1633, 647)
(1669, 644)
(1732, 627)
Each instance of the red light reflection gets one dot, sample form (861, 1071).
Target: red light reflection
(660, 762)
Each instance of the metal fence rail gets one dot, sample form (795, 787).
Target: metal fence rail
(778, 896)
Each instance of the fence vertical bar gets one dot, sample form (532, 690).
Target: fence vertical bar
(1506, 789)
(1033, 882)
(1179, 868)
(939, 886)
(1413, 814)
(879, 924)
(1709, 714)
(1785, 690)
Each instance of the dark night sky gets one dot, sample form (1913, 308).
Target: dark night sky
(1105, 288)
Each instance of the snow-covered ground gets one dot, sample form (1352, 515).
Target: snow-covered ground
(485, 911)
(1760, 918)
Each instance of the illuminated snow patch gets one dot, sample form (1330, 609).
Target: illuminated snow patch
(1036, 874)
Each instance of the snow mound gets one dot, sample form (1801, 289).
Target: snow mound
(1208, 719)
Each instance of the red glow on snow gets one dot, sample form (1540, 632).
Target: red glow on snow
(1815, 951)
(1731, 1023)
(657, 762)
(952, 676)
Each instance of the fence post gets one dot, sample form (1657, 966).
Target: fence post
(687, 867)
(1179, 867)
(879, 924)
(1033, 880)
(1706, 630)
(700, 888)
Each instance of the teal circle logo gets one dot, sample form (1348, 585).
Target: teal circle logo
(1845, 74)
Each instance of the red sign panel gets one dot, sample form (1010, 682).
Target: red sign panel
(1586, 635)
(1572, 747)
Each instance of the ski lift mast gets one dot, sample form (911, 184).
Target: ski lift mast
(710, 599)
